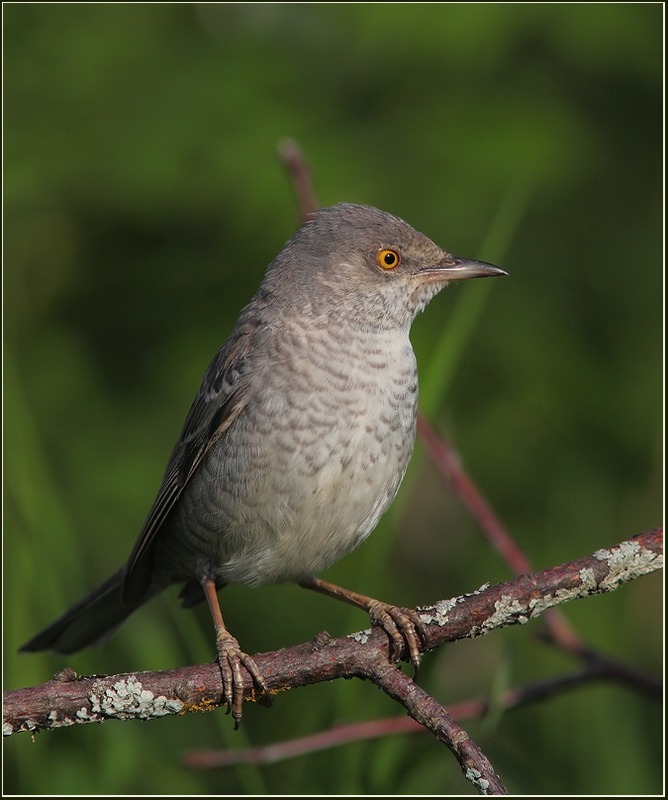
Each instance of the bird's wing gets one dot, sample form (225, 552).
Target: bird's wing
(218, 403)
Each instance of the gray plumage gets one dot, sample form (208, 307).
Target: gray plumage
(302, 430)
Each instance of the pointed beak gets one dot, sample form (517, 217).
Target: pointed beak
(454, 268)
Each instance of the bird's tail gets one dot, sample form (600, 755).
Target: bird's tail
(89, 621)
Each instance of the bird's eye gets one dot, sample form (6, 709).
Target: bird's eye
(388, 259)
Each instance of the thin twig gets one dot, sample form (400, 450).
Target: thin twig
(510, 700)
(304, 745)
(449, 465)
(300, 174)
(426, 710)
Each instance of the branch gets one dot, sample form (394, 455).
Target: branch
(509, 700)
(558, 630)
(70, 700)
(449, 465)
(300, 176)
(430, 713)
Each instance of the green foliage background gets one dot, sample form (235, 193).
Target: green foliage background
(143, 198)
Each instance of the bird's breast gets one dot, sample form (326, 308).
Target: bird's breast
(314, 459)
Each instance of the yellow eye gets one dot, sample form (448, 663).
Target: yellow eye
(388, 259)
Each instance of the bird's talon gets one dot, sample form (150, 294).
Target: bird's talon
(404, 628)
(230, 661)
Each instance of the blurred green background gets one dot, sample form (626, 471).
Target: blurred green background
(143, 199)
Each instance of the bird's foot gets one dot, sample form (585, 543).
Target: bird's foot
(404, 627)
(230, 660)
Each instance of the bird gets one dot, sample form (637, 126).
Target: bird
(296, 442)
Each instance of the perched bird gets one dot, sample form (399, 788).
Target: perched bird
(297, 440)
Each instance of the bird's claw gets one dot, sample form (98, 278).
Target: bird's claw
(230, 660)
(404, 627)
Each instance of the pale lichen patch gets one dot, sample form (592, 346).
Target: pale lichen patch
(506, 608)
(361, 636)
(127, 699)
(475, 777)
(86, 715)
(438, 614)
(57, 720)
(26, 725)
(588, 578)
(627, 561)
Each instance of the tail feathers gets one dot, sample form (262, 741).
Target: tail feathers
(89, 621)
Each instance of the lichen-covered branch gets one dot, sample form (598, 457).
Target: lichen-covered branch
(69, 699)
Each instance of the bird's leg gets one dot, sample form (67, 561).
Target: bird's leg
(402, 625)
(230, 657)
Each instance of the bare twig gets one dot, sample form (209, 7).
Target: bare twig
(510, 700)
(426, 710)
(449, 465)
(300, 175)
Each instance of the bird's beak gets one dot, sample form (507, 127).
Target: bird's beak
(454, 268)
